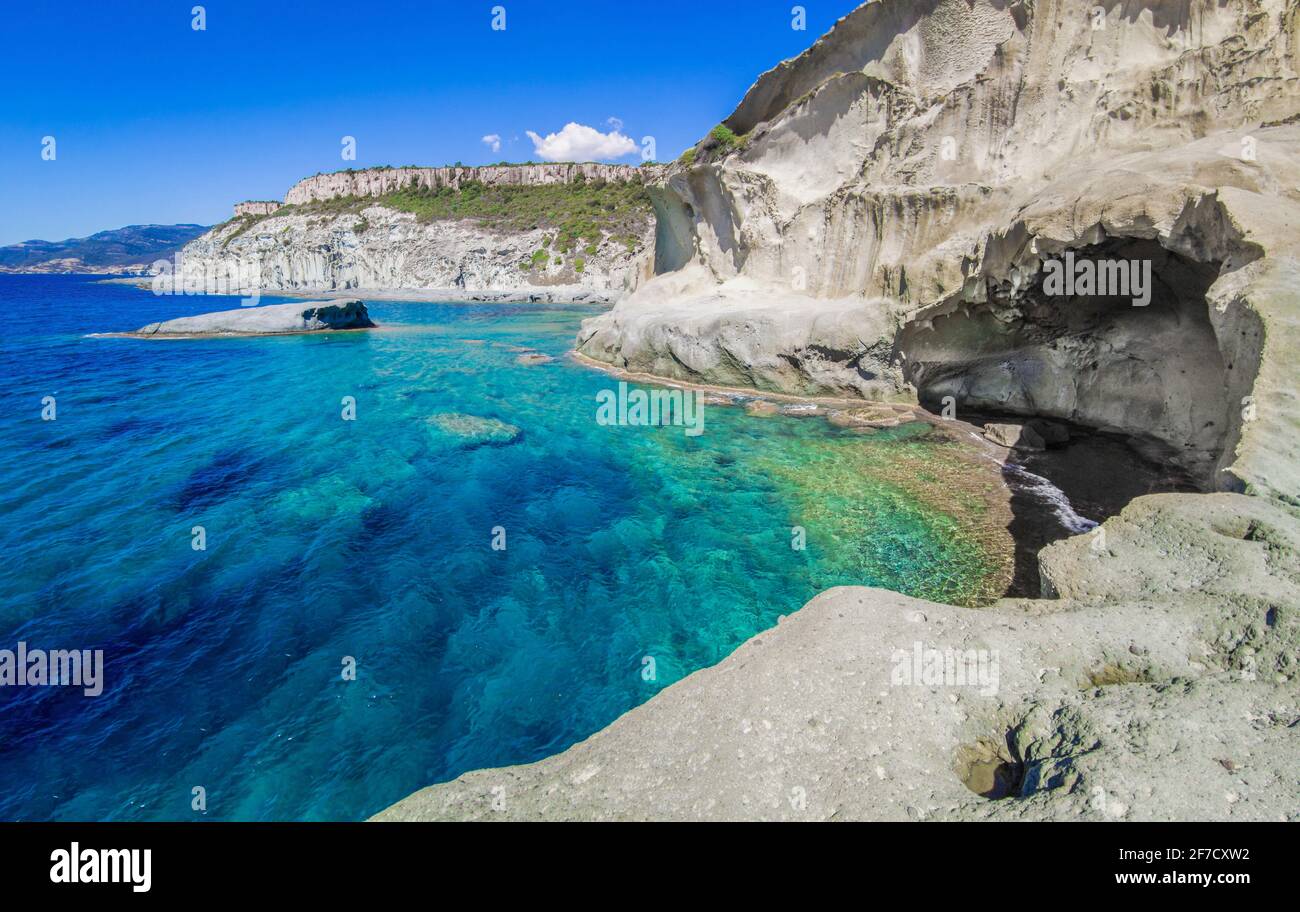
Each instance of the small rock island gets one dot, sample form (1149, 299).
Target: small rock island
(273, 319)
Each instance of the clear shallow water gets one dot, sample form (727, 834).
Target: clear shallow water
(371, 539)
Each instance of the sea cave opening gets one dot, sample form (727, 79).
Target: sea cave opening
(1138, 383)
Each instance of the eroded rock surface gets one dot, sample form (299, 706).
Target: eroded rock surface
(273, 319)
(358, 242)
(883, 229)
(1133, 700)
(378, 181)
(1015, 436)
(883, 225)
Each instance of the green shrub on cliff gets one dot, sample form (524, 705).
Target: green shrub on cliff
(719, 143)
(587, 209)
(725, 139)
(575, 215)
(244, 223)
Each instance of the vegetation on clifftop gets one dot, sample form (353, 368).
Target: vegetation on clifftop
(582, 209)
(581, 213)
(724, 138)
(720, 143)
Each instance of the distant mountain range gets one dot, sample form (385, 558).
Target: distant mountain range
(131, 249)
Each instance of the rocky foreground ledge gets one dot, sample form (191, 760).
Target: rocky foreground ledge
(1148, 689)
(271, 320)
(877, 221)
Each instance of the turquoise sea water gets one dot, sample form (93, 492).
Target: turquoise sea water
(371, 539)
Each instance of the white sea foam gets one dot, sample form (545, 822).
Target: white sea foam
(1054, 498)
(1046, 493)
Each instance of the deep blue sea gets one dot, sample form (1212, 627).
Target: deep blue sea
(371, 540)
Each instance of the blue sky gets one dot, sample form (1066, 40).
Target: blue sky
(155, 122)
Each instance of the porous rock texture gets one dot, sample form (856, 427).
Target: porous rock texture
(880, 230)
(1134, 697)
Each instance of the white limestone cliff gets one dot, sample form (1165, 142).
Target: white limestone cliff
(880, 230)
(379, 181)
(383, 249)
(302, 247)
(256, 207)
(881, 226)
(270, 320)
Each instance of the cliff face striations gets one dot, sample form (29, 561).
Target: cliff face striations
(558, 229)
(889, 216)
(884, 224)
(380, 181)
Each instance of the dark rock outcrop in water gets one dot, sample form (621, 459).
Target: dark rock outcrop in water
(273, 319)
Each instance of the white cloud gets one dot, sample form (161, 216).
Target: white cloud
(616, 124)
(580, 143)
(493, 142)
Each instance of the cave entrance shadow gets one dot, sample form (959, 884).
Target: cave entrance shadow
(1138, 368)
(1091, 478)
(1153, 371)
